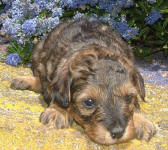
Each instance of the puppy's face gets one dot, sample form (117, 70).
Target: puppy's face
(100, 93)
(104, 103)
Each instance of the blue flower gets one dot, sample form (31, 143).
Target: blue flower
(106, 18)
(123, 29)
(29, 26)
(17, 9)
(57, 12)
(68, 3)
(38, 25)
(115, 5)
(13, 59)
(49, 5)
(81, 2)
(31, 10)
(131, 32)
(78, 15)
(128, 3)
(151, 1)
(7, 1)
(107, 5)
(51, 23)
(93, 2)
(11, 27)
(7, 7)
(41, 3)
(153, 16)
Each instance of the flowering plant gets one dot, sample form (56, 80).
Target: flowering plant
(13, 59)
(30, 20)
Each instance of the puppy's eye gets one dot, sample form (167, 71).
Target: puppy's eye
(128, 98)
(89, 103)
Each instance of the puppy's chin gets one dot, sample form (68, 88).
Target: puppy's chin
(101, 135)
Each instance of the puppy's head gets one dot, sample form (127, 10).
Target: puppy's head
(100, 90)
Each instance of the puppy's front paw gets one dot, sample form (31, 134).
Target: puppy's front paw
(145, 130)
(19, 84)
(55, 118)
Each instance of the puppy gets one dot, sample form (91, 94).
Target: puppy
(86, 73)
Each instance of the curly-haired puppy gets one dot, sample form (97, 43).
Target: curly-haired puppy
(86, 73)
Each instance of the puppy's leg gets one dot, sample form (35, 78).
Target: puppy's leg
(56, 117)
(26, 83)
(144, 129)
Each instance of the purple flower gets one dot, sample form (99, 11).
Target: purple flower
(92, 2)
(17, 9)
(12, 27)
(130, 33)
(153, 16)
(6, 1)
(151, 1)
(123, 29)
(106, 18)
(13, 59)
(49, 5)
(29, 26)
(7, 7)
(41, 3)
(51, 22)
(78, 15)
(121, 26)
(57, 12)
(114, 5)
(68, 3)
(126, 3)
(81, 2)
(107, 5)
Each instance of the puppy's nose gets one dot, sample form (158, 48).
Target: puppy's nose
(117, 132)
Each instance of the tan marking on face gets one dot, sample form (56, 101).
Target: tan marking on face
(127, 88)
(126, 63)
(96, 130)
(91, 92)
(101, 135)
(129, 132)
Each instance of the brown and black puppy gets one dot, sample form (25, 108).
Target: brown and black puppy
(86, 73)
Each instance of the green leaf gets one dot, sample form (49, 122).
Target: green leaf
(144, 31)
(162, 4)
(164, 11)
(165, 46)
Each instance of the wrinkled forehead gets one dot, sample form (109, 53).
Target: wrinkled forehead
(96, 91)
(109, 73)
(110, 78)
(108, 82)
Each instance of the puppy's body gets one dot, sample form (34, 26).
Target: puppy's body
(86, 72)
(67, 40)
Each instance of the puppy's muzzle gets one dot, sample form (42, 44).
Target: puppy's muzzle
(117, 132)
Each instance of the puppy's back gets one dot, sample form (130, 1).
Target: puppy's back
(69, 37)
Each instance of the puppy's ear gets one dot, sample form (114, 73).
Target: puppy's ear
(139, 84)
(73, 74)
(59, 89)
(82, 66)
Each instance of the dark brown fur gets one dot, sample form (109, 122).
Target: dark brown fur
(86, 72)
